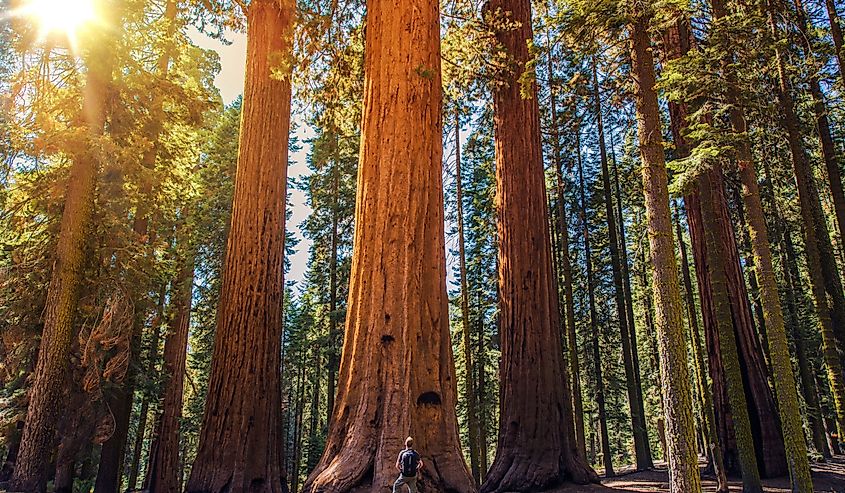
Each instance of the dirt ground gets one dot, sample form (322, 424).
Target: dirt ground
(828, 477)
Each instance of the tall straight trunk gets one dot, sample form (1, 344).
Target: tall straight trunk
(334, 333)
(642, 450)
(607, 455)
(626, 276)
(820, 261)
(823, 127)
(314, 418)
(469, 389)
(397, 373)
(714, 449)
(297, 430)
(775, 328)
(69, 259)
(240, 447)
(483, 441)
(566, 269)
(537, 444)
(674, 370)
(806, 372)
(708, 191)
(163, 468)
(763, 413)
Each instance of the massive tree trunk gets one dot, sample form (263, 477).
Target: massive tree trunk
(240, 447)
(469, 388)
(397, 374)
(762, 409)
(607, 455)
(642, 450)
(674, 370)
(824, 276)
(714, 449)
(537, 445)
(710, 192)
(163, 468)
(46, 393)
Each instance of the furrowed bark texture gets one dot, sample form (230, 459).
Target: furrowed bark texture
(397, 373)
(708, 191)
(674, 370)
(537, 445)
(240, 447)
(163, 469)
(762, 409)
(705, 390)
(33, 457)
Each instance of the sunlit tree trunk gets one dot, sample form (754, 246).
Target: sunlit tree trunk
(674, 370)
(240, 447)
(714, 449)
(37, 441)
(537, 444)
(397, 374)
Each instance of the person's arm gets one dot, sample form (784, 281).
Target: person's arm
(398, 466)
(421, 465)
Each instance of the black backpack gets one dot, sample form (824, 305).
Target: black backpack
(409, 461)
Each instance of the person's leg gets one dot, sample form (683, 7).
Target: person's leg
(397, 485)
(412, 484)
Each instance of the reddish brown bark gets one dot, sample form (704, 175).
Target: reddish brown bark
(537, 445)
(163, 469)
(240, 447)
(765, 425)
(397, 373)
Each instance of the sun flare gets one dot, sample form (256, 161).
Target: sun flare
(59, 16)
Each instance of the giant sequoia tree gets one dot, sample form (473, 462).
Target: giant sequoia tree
(240, 447)
(537, 446)
(397, 374)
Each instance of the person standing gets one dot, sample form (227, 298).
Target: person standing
(409, 463)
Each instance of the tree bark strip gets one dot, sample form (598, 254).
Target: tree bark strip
(537, 444)
(674, 371)
(240, 447)
(397, 374)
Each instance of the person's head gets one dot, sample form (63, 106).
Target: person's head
(409, 442)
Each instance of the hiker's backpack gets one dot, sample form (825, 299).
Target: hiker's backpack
(409, 461)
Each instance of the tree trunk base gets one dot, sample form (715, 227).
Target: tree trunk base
(516, 472)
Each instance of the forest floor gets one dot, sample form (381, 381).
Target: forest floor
(828, 477)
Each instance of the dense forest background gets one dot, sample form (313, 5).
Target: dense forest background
(155, 248)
